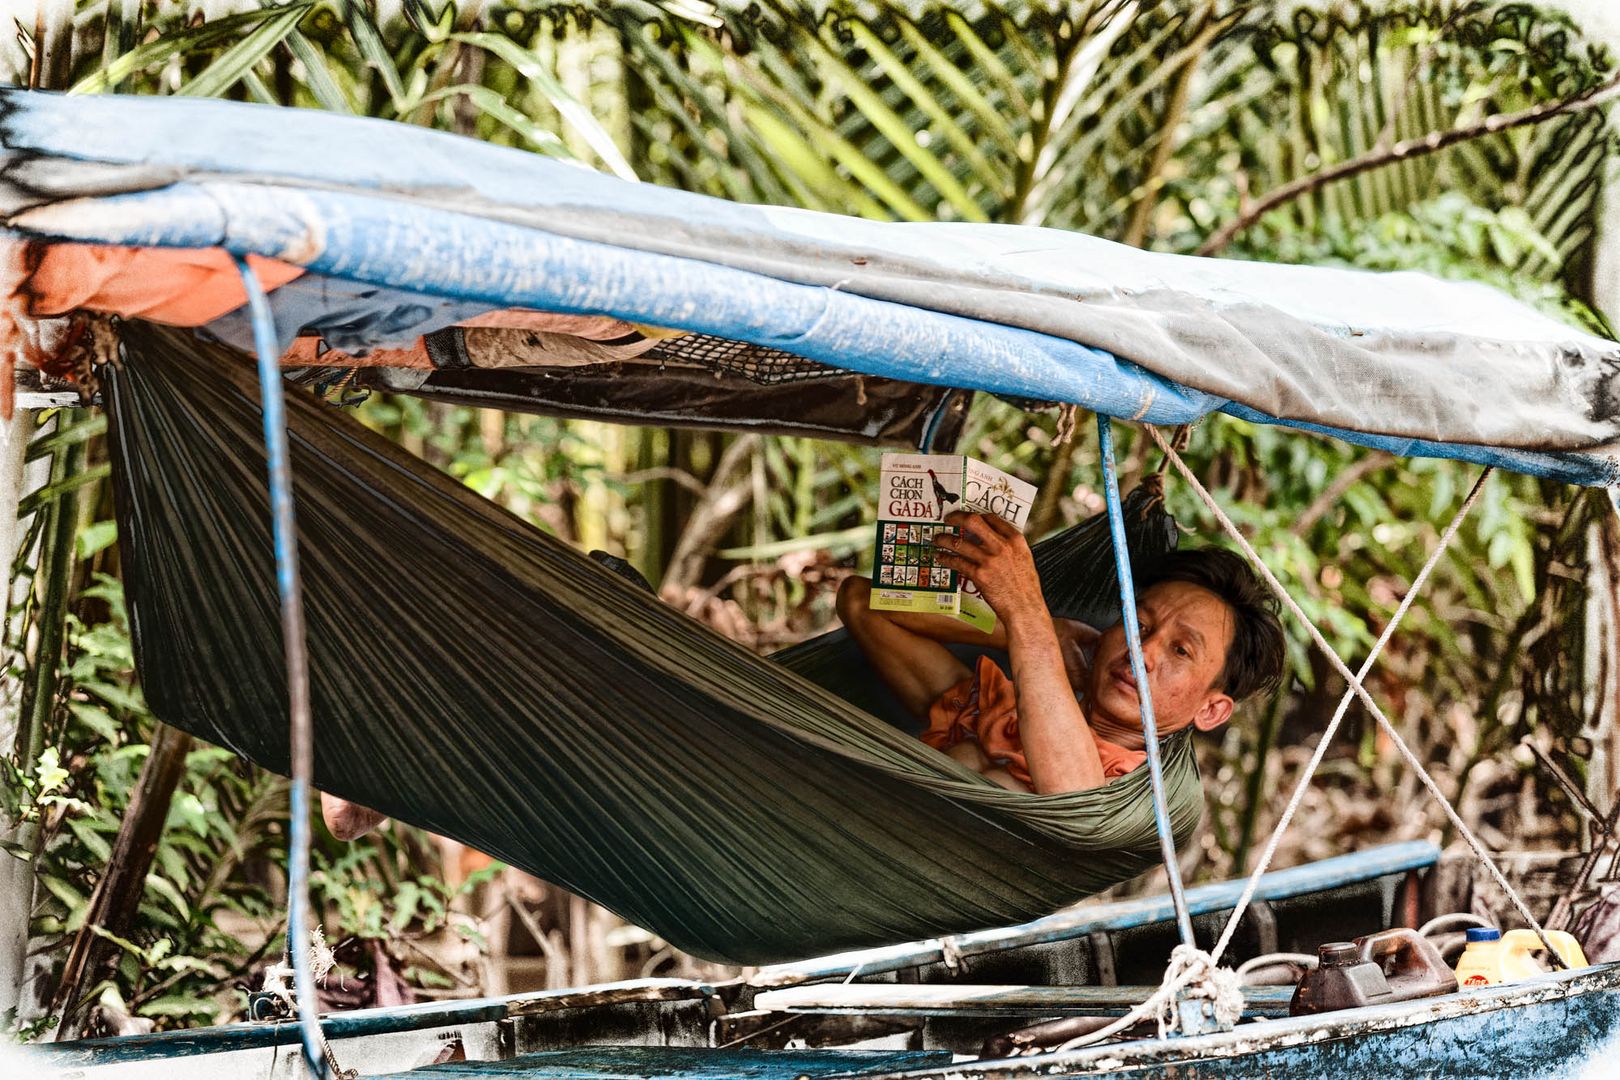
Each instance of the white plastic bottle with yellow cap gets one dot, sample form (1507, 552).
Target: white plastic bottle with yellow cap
(1492, 957)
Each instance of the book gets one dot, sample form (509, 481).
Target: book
(915, 492)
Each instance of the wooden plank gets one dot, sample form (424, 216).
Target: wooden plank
(1315, 877)
(360, 1022)
(900, 999)
(682, 1062)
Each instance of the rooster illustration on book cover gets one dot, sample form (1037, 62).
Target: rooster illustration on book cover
(941, 495)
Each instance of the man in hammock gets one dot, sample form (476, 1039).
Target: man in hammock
(1068, 718)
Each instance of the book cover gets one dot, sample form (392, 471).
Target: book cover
(916, 491)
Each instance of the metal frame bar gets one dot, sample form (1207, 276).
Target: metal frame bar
(1133, 640)
(301, 738)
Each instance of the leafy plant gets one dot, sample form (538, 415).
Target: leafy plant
(182, 957)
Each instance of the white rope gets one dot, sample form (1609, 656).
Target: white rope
(1205, 982)
(1360, 691)
(1172, 983)
(1190, 968)
(1304, 782)
(1176, 976)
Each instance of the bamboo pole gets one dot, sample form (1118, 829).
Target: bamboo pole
(36, 695)
(16, 875)
(20, 735)
(53, 578)
(1601, 659)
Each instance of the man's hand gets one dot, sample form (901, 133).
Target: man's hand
(1058, 743)
(995, 557)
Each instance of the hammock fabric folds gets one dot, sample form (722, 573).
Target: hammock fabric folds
(475, 677)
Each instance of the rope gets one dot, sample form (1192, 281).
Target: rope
(1187, 973)
(1160, 997)
(1204, 982)
(1190, 968)
(301, 739)
(321, 962)
(1354, 682)
(1304, 782)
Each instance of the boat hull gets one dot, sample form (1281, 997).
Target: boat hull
(921, 1009)
(1555, 1026)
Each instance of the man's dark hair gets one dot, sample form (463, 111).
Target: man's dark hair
(1254, 661)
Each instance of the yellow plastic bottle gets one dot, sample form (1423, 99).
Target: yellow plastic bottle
(1481, 961)
(1523, 951)
(1492, 957)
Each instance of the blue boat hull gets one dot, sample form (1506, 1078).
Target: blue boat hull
(1556, 1026)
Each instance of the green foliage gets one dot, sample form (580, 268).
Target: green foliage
(375, 890)
(184, 955)
(213, 907)
(1151, 123)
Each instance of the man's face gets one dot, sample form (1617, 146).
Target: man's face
(1186, 630)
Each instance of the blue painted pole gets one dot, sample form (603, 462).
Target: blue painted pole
(301, 739)
(1133, 639)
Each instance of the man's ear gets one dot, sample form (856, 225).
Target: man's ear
(1215, 711)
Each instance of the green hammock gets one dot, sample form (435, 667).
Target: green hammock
(475, 677)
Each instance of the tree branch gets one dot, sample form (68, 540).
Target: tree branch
(677, 476)
(725, 496)
(117, 896)
(1401, 151)
(1181, 90)
(1342, 483)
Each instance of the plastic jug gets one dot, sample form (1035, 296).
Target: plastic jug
(1526, 952)
(1492, 957)
(1412, 966)
(1340, 980)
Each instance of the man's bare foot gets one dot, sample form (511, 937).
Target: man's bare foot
(347, 820)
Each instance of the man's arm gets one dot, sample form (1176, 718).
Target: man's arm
(1058, 743)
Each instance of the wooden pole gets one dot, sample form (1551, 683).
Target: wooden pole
(117, 896)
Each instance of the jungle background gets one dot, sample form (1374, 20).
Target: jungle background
(1253, 131)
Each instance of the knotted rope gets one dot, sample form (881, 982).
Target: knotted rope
(1200, 980)
(321, 962)
(1191, 970)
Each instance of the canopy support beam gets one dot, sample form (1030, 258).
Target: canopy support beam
(1133, 639)
(302, 738)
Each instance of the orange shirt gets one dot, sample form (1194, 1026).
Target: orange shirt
(984, 707)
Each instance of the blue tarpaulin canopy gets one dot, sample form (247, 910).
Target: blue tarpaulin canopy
(732, 804)
(400, 232)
